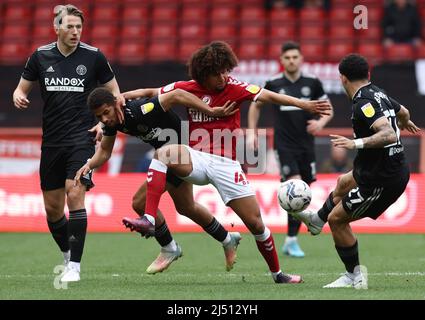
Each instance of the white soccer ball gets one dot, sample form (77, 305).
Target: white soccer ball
(294, 195)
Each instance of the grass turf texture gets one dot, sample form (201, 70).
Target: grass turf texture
(114, 264)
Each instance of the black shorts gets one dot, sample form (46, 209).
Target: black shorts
(297, 163)
(173, 180)
(371, 201)
(60, 163)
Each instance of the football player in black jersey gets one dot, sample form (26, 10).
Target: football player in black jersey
(152, 121)
(380, 173)
(67, 70)
(294, 129)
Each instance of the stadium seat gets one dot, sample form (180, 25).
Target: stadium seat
(285, 16)
(312, 16)
(399, 53)
(164, 14)
(17, 12)
(105, 13)
(313, 52)
(375, 15)
(336, 51)
(43, 14)
(161, 51)
(223, 15)
(131, 53)
(44, 32)
(193, 31)
(343, 4)
(192, 13)
(274, 50)
(371, 34)
(104, 31)
(282, 32)
(420, 52)
(223, 32)
(252, 15)
(135, 13)
(187, 48)
(252, 31)
(254, 50)
(341, 15)
(312, 33)
(13, 52)
(373, 52)
(341, 33)
(108, 48)
(16, 32)
(134, 31)
(164, 30)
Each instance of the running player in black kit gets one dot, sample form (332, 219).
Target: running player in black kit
(67, 70)
(152, 121)
(294, 129)
(380, 174)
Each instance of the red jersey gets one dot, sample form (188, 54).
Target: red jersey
(209, 134)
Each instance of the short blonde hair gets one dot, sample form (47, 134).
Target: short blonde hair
(63, 10)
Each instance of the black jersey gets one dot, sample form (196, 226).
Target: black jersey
(376, 166)
(291, 122)
(65, 83)
(147, 120)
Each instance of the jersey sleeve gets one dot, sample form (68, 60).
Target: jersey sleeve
(368, 111)
(107, 131)
(184, 85)
(31, 68)
(143, 107)
(103, 69)
(242, 91)
(319, 93)
(396, 105)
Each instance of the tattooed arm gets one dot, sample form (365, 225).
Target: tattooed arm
(384, 136)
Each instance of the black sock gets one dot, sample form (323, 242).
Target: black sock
(293, 226)
(77, 233)
(349, 256)
(59, 231)
(163, 235)
(327, 208)
(216, 230)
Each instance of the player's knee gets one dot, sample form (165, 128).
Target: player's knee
(75, 198)
(335, 221)
(256, 225)
(53, 210)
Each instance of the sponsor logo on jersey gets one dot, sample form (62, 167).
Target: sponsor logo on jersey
(306, 91)
(252, 88)
(64, 84)
(50, 69)
(147, 107)
(81, 70)
(169, 87)
(153, 134)
(368, 110)
(206, 99)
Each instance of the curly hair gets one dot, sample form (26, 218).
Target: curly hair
(354, 67)
(212, 59)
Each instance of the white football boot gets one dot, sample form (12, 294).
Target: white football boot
(311, 220)
(71, 272)
(349, 280)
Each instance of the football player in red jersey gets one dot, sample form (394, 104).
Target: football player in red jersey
(209, 68)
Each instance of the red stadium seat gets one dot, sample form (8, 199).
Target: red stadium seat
(16, 32)
(187, 48)
(341, 15)
(312, 16)
(312, 33)
(346, 4)
(43, 14)
(339, 33)
(373, 3)
(375, 15)
(17, 12)
(286, 16)
(105, 13)
(194, 14)
(399, 53)
(13, 53)
(282, 32)
(44, 32)
(313, 52)
(223, 32)
(135, 13)
(193, 31)
(108, 48)
(420, 52)
(371, 34)
(164, 30)
(252, 50)
(134, 31)
(373, 52)
(274, 50)
(161, 51)
(252, 14)
(164, 14)
(131, 53)
(336, 51)
(223, 14)
(104, 31)
(252, 31)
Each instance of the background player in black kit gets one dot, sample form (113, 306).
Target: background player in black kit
(67, 70)
(380, 174)
(152, 121)
(294, 129)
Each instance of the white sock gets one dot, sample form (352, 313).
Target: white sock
(289, 239)
(172, 246)
(150, 218)
(264, 236)
(74, 265)
(227, 239)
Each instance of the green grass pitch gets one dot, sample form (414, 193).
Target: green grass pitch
(114, 264)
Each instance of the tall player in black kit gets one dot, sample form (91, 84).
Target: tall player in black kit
(380, 174)
(294, 129)
(153, 121)
(67, 70)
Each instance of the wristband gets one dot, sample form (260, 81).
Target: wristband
(358, 143)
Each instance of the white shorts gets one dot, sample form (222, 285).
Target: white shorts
(225, 174)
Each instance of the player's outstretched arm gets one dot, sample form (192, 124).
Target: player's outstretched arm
(253, 117)
(141, 93)
(184, 98)
(404, 122)
(102, 154)
(321, 107)
(20, 95)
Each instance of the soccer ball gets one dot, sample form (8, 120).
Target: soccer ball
(294, 195)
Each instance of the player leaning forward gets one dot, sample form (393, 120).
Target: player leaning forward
(380, 173)
(210, 67)
(67, 70)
